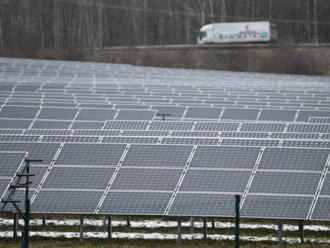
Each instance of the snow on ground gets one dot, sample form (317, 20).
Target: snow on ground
(157, 236)
(159, 224)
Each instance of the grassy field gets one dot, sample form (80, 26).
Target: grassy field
(103, 243)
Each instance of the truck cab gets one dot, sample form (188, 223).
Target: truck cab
(205, 34)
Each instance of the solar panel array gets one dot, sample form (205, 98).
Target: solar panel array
(106, 150)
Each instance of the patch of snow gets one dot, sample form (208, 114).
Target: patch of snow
(160, 224)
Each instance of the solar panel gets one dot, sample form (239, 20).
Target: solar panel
(68, 139)
(319, 120)
(170, 125)
(126, 125)
(135, 203)
(135, 115)
(141, 140)
(38, 172)
(78, 178)
(194, 134)
(309, 128)
(19, 195)
(240, 114)
(11, 123)
(96, 132)
(276, 207)
(57, 113)
(243, 135)
(96, 114)
(64, 201)
(90, 154)
(203, 113)
(285, 182)
(262, 127)
(145, 133)
(250, 142)
(9, 163)
(295, 135)
(215, 181)
(174, 112)
(47, 132)
(10, 131)
(305, 115)
(3, 186)
(306, 143)
(225, 157)
(294, 159)
(277, 115)
(146, 179)
(18, 138)
(202, 205)
(214, 126)
(51, 124)
(325, 190)
(190, 141)
(321, 210)
(157, 155)
(44, 151)
(18, 112)
(87, 125)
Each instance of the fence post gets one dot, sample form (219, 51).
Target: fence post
(179, 241)
(192, 222)
(237, 202)
(81, 238)
(109, 227)
(205, 228)
(280, 232)
(301, 231)
(15, 226)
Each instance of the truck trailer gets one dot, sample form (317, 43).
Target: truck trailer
(237, 32)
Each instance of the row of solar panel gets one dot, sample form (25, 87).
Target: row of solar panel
(166, 126)
(229, 157)
(121, 95)
(53, 113)
(147, 103)
(148, 133)
(153, 85)
(165, 179)
(184, 204)
(164, 140)
(141, 191)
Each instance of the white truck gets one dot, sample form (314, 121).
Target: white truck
(237, 32)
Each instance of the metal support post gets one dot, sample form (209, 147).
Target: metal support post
(15, 226)
(192, 222)
(179, 241)
(81, 238)
(280, 232)
(27, 207)
(26, 214)
(128, 221)
(213, 223)
(109, 227)
(44, 220)
(104, 221)
(204, 228)
(237, 202)
(301, 231)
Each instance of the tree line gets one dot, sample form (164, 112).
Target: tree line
(84, 24)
